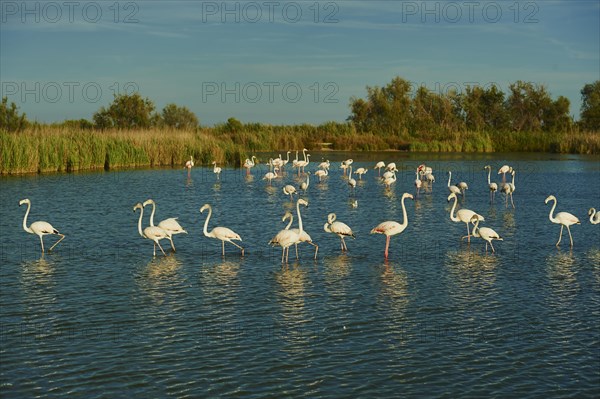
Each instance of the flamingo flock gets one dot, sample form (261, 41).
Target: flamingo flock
(287, 237)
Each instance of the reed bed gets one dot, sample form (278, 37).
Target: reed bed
(63, 149)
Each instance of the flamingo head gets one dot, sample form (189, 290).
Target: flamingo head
(148, 202)
(138, 206)
(303, 202)
(451, 196)
(591, 211)
(205, 206)
(475, 219)
(408, 195)
(550, 198)
(486, 167)
(331, 218)
(24, 201)
(287, 216)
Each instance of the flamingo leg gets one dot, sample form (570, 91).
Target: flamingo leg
(560, 236)
(172, 245)
(316, 248)
(511, 201)
(297, 257)
(231, 242)
(154, 250)
(570, 236)
(42, 241)
(223, 248)
(161, 249)
(282, 253)
(492, 245)
(62, 237)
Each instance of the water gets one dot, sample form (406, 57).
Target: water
(100, 317)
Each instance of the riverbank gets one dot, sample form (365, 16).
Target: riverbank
(60, 149)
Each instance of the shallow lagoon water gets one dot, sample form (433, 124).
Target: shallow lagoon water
(101, 317)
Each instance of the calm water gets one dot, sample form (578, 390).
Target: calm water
(100, 317)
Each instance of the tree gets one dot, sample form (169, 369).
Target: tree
(590, 107)
(178, 117)
(233, 125)
(526, 106)
(127, 111)
(10, 119)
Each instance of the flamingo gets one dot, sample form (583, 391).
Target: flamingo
(391, 228)
(355, 204)
(378, 166)
(324, 164)
(271, 175)
(426, 170)
(304, 237)
(40, 228)
(594, 216)
(151, 232)
(388, 174)
(171, 226)
(418, 183)
(493, 186)
(389, 180)
(562, 218)
(189, 164)
(289, 190)
(485, 233)
(249, 164)
(285, 161)
(430, 178)
(288, 237)
(360, 172)
(304, 185)
(321, 173)
(351, 180)
(220, 233)
(344, 167)
(509, 188)
(302, 164)
(503, 171)
(462, 215)
(338, 228)
(216, 170)
(391, 167)
(453, 188)
(462, 186)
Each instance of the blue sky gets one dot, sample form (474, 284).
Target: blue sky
(284, 61)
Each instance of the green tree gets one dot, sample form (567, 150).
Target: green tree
(590, 107)
(127, 111)
(178, 117)
(233, 125)
(483, 109)
(526, 106)
(10, 119)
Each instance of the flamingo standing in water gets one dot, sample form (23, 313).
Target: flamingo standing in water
(340, 229)
(289, 190)
(485, 233)
(391, 228)
(40, 228)
(321, 173)
(152, 233)
(216, 170)
(594, 216)
(271, 175)
(360, 172)
(389, 180)
(304, 185)
(170, 226)
(509, 188)
(503, 171)
(351, 180)
(562, 218)
(220, 233)
(189, 164)
(462, 215)
(249, 164)
(493, 186)
(378, 166)
(453, 188)
(324, 164)
(418, 183)
(288, 237)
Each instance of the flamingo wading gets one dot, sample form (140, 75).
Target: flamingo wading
(462, 215)
(391, 228)
(484, 233)
(562, 218)
(220, 233)
(171, 226)
(40, 228)
(338, 228)
(151, 232)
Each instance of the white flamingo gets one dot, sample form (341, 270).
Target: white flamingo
(216, 170)
(304, 237)
(426, 170)
(462, 215)
(304, 185)
(286, 160)
(391, 228)
(562, 218)
(391, 167)
(340, 229)
(418, 183)
(302, 164)
(189, 164)
(249, 164)
(170, 226)
(503, 171)
(388, 181)
(271, 175)
(594, 216)
(509, 188)
(289, 190)
(351, 180)
(378, 166)
(288, 237)
(325, 164)
(40, 228)
(493, 186)
(220, 233)
(484, 233)
(453, 188)
(462, 186)
(321, 173)
(360, 172)
(152, 233)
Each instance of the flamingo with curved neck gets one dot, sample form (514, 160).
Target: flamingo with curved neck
(220, 233)
(562, 218)
(40, 228)
(462, 215)
(391, 228)
(151, 232)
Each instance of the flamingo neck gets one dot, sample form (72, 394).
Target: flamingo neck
(452, 217)
(288, 157)
(552, 219)
(489, 173)
(449, 178)
(152, 214)
(476, 228)
(307, 178)
(404, 215)
(304, 154)
(299, 217)
(27, 229)
(140, 222)
(513, 179)
(291, 217)
(205, 231)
